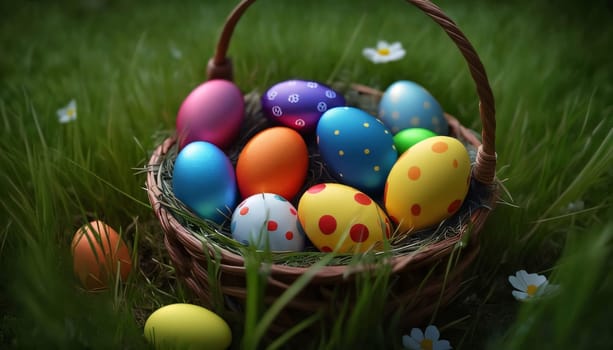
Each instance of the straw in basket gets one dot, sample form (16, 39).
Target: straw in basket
(421, 281)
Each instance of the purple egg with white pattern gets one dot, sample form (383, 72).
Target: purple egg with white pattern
(267, 221)
(298, 104)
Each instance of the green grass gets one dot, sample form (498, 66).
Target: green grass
(550, 70)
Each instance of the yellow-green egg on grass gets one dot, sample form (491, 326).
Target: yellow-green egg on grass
(187, 326)
(406, 138)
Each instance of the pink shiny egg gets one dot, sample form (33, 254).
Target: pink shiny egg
(212, 112)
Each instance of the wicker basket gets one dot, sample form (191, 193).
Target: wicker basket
(422, 279)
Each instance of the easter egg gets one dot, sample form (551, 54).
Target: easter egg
(356, 147)
(406, 104)
(203, 179)
(274, 161)
(267, 221)
(187, 326)
(428, 183)
(299, 104)
(98, 253)
(406, 138)
(336, 217)
(212, 112)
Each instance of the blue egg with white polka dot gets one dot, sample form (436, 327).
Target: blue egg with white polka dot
(357, 148)
(406, 104)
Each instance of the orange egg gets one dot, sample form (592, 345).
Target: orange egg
(98, 254)
(273, 161)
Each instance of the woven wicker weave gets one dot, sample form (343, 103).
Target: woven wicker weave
(420, 280)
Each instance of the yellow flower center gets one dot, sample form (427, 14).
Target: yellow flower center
(531, 290)
(383, 52)
(426, 344)
(70, 112)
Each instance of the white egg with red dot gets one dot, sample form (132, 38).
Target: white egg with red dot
(428, 183)
(267, 221)
(340, 218)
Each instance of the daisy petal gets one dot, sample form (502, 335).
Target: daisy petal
(410, 343)
(382, 44)
(369, 52)
(381, 59)
(441, 345)
(531, 278)
(539, 280)
(396, 55)
(523, 275)
(432, 333)
(417, 334)
(521, 296)
(395, 46)
(517, 283)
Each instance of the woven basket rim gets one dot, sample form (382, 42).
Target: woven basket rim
(230, 259)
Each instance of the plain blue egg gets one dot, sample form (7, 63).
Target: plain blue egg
(356, 148)
(406, 104)
(203, 179)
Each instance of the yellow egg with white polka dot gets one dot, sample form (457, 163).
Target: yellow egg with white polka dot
(428, 183)
(340, 218)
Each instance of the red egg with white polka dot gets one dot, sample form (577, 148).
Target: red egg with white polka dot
(267, 221)
(428, 183)
(339, 218)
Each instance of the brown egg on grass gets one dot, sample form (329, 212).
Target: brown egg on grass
(99, 254)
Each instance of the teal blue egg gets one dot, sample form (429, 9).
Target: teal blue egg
(204, 180)
(356, 148)
(406, 104)
(406, 138)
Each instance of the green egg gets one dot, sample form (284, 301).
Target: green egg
(406, 138)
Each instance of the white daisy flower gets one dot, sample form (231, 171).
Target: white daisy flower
(529, 285)
(68, 113)
(429, 340)
(384, 52)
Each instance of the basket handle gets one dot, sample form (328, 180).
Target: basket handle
(220, 67)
